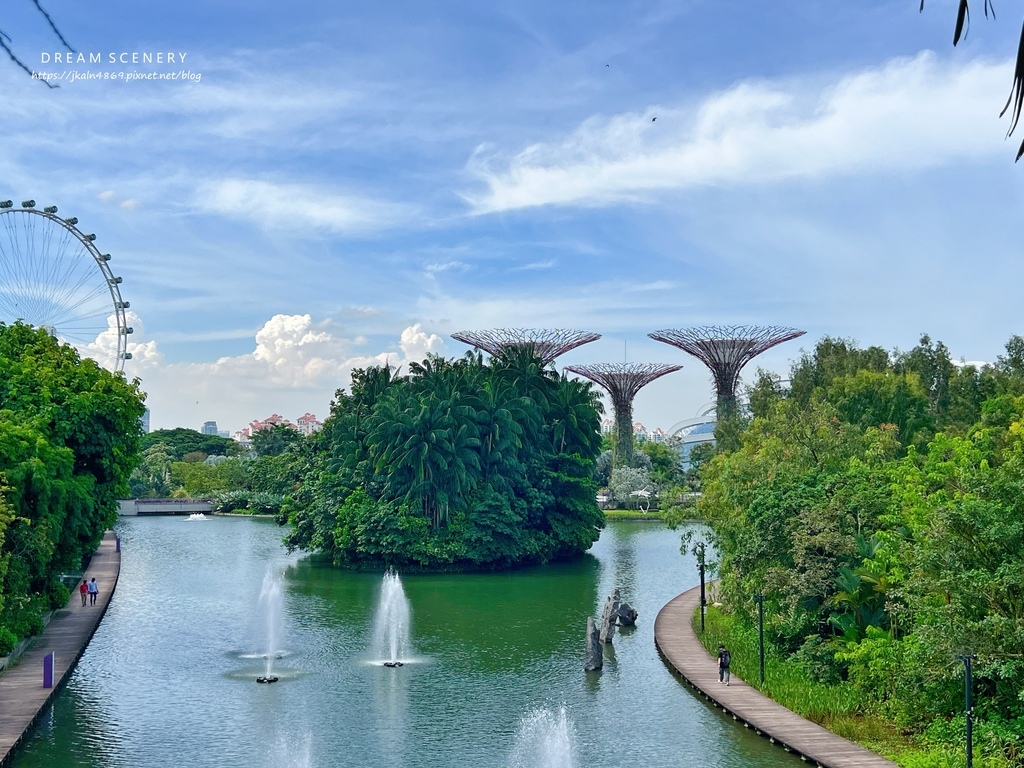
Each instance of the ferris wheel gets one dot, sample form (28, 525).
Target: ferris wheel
(53, 276)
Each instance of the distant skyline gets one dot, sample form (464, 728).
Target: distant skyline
(327, 189)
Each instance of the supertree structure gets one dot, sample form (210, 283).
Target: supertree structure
(623, 381)
(725, 349)
(546, 343)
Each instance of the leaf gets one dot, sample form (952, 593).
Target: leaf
(1016, 93)
(962, 16)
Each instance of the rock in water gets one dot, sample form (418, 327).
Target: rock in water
(626, 615)
(595, 651)
(611, 607)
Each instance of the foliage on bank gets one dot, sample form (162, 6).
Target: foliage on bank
(838, 706)
(877, 503)
(69, 438)
(183, 463)
(459, 464)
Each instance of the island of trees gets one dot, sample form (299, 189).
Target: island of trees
(459, 464)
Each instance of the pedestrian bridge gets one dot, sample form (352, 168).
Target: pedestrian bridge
(133, 507)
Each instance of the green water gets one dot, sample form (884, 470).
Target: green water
(168, 680)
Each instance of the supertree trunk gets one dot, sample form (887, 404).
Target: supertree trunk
(623, 450)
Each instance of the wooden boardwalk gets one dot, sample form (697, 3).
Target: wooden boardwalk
(22, 696)
(679, 645)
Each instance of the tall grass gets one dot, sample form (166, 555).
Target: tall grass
(784, 681)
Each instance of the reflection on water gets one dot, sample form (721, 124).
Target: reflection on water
(167, 679)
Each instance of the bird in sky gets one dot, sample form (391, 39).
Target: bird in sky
(654, 118)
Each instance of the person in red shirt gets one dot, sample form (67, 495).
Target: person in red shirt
(84, 590)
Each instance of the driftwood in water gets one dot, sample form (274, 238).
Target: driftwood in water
(595, 651)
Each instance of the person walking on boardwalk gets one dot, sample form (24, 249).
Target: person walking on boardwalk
(94, 589)
(724, 660)
(84, 590)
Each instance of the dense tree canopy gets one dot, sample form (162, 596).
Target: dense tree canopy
(460, 464)
(179, 441)
(878, 505)
(69, 438)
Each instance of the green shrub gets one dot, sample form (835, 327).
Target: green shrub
(231, 501)
(7, 641)
(59, 595)
(819, 659)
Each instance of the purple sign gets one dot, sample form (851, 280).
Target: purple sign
(48, 661)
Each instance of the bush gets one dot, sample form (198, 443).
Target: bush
(817, 657)
(247, 501)
(7, 641)
(59, 595)
(231, 501)
(265, 503)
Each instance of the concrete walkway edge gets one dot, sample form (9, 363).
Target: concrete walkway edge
(682, 649)
(22, 696)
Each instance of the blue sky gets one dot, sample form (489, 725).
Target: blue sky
(348, 181)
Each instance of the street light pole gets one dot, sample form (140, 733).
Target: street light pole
(760, 630)
(698, 550)
(969, 706)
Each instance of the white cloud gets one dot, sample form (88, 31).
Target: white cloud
(416, 344)
(910, 114)
(104, 349)
(304, 206)
(295, 366)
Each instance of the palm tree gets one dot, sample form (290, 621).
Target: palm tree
(574, 409)
(425, 443)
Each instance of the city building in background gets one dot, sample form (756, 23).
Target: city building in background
(308, 424)
(693, 432)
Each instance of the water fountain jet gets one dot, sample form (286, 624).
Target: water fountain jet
(391, 625)
(545, 739)
(272, 605)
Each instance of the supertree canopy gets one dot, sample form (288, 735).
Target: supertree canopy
(546, 343)
(725, 349)
(623, 381)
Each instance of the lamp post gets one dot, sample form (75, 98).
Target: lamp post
(759, 597)
(969, 706)
(698, 551)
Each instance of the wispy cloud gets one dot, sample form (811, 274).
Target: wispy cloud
(909, 114)
(536, 265)
(307, 206)
(447, 266)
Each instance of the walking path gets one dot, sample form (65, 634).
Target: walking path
(22, 696)
(678, 643)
